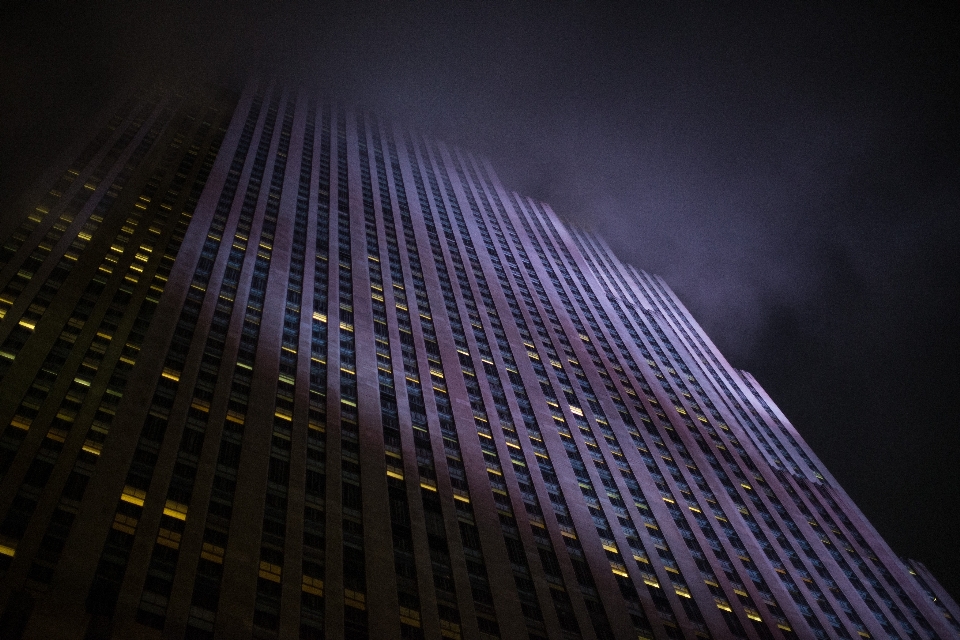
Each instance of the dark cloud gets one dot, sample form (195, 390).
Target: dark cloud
(791, 171)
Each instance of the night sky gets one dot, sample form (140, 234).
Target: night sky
(793, 172)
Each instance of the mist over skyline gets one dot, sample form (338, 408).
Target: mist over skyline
(792, 172)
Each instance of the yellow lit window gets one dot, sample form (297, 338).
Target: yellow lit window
(269, 571)
(175, 510)
(133, 496)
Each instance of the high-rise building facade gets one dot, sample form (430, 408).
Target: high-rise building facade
(274, 368)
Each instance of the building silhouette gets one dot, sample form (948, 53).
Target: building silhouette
(274, 368)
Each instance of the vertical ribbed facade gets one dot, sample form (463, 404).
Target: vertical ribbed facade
(274, 368)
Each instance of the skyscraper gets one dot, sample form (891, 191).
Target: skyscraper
(274, 368)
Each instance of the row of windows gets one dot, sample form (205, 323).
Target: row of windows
(529, 604)
(111, 568)
(830, 615)
(83, 403)
(20, 332)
